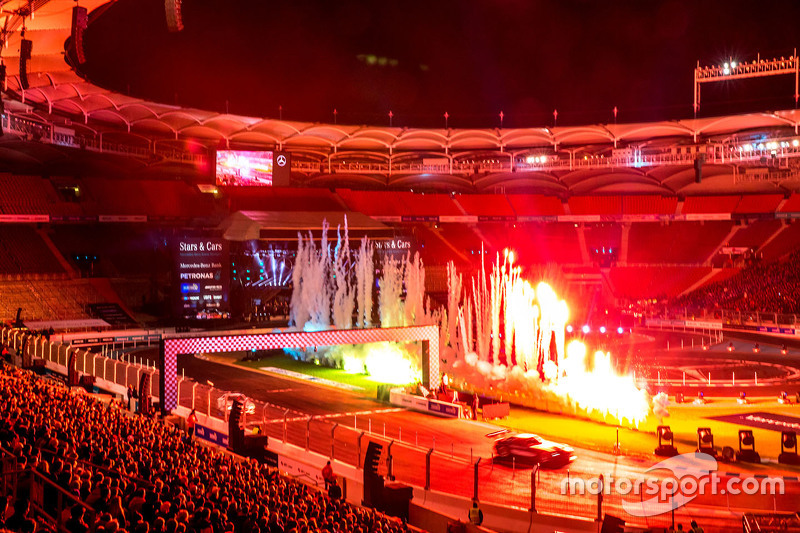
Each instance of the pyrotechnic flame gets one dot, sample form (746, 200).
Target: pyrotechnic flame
(384, 362)
(534, 341)
(595, 385)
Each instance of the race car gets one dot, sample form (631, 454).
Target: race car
(529, 449)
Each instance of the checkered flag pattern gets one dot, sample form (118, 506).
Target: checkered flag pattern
(175, 345)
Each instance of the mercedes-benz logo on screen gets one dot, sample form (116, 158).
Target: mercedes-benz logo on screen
(281, 160)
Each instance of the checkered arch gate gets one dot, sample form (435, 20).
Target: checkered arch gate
(173, 345)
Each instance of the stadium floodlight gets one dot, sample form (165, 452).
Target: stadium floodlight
(736, 70)
(586, 329)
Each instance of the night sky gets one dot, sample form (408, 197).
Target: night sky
(469, 58)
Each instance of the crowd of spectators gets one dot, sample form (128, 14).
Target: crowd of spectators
(142, 475)
(762, 287)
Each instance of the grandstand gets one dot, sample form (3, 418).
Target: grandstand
(593, 197)
(99, 191)
(145, 479)
(696, 233)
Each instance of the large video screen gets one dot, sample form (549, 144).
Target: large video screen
(240, 167)
(201, 269)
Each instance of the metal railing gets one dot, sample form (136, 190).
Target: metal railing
(445, 464)
(728, 317)
(339, 163)
(51, 501)
(113, 370)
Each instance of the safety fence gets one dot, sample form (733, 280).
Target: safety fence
(116, 374)
(448, 465)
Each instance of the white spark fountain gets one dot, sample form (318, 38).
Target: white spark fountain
(529, 360)
(330, 287)
(532, 363)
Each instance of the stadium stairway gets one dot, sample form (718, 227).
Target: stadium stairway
(702, 281)
(772, 237)
(724, 242)
(623, 246)
(112, 304)
(582, 244)
(460, 253)
(111, 313)
(57, 254)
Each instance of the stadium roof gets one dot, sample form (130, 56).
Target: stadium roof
(55, 88)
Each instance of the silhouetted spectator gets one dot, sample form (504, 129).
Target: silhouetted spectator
(76, 524)
(334, 490)
(18, 520)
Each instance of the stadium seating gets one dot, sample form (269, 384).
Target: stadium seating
(758, 203)
(372, 203)
(721, 274)
(642, 282)
(603, 239)
(23, 252)
(121, 249)
(784, 243)
(418, 204)
(792, 204)
(678, 242)
(489, 205)
(134, 473)
(462, 237)
(154, 198)
(754, 234)
(279, 199)
(763, 286)
(26, 195)
(710, 204)
(131, 251)
(47, 299)
(595, 205)
(537, 243)
(433, 249)
(649, 205)
(535, 205)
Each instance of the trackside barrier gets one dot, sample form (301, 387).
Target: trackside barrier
(110, 374)
(443, 467)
